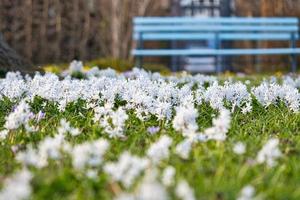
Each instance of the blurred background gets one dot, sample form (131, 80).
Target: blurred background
(99, 32)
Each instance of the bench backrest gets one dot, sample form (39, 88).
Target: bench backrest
(227, 28)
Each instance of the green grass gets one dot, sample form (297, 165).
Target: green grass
(213, 170)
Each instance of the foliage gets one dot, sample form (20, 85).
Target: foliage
(114, 63)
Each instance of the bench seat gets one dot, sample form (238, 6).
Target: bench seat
(212, 32)
(214, 52)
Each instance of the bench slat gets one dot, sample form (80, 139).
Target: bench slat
(210, 36)
(213, 52)
(213, 28)
(228, 20)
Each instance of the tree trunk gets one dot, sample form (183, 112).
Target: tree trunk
(11, 61)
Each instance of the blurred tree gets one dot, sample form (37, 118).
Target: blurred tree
(117, 18)
(11, 61)
(46, 31)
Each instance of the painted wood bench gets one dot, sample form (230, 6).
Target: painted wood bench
(215, 30)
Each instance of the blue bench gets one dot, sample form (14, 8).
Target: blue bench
(215, 30)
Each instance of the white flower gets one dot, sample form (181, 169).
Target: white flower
(20, 116)
(268, 94)
(247, 193)
(89, 154)
(126, 169)
(75, 66)
(151, 189)
(31, 157)
(269, 153)
(239, 148)
(184, 192)
(247, 108)
(3, 134)
(65, 127)
(159, 150)
(113, 122)
(183, 148)
(220, 127)
(185, 120)
(168, 176)
(92, 173)
(17, 187)
(49, 148)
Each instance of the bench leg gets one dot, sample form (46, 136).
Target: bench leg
(139, 61)
(294, 63)
(218, 64)
(173, 64)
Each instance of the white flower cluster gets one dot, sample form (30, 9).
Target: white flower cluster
(149, 94)
(168, 176)
(149, 189)
(20, 116)
(294, 82)
(184, 147)
(239, 148)
(3, 134)
(49, 148)
(234, 93)
(269, 153)
(75, 66)
(129, 167)
(171, 101)
(220, 127)
(112, 121)
(126, 169)
(13, 86)
(268, 94)
(247, 193)
(89, 154)
(185, 120)
(17, 187)
(184, 191)
(217, 132)
(65, 127)
(159, 150)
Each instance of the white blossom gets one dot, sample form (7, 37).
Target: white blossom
(89, 154)
(126, 169)
(48, 148)
(239, 148)
(269, 153)
(75, 66)
(3, 134)
(183, 148)
(20, 116)
(168, 176)
(65, 127)
(184, 191)
(112, 121)
(185, 120)
(17, 187)
(151, 189)
(160, 149)
(220, 127)
(247, 193)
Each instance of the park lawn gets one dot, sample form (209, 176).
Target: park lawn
(212, 169)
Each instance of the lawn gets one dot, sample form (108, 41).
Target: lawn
(99, 134)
